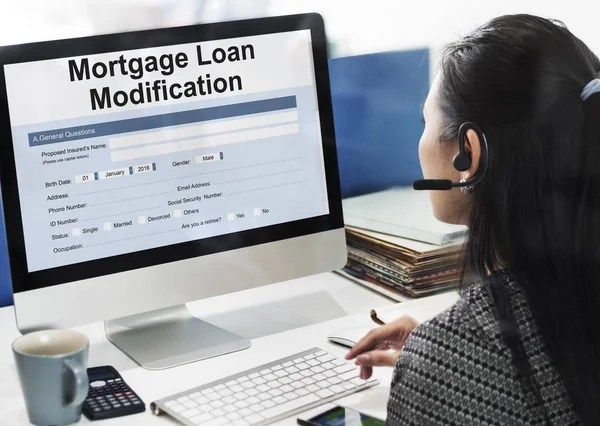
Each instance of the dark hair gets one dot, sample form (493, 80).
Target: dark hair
(537, 210)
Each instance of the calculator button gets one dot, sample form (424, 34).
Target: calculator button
(117, 405)
(137, 402)
(97, 410)
(126, 404)
(118, 380)
(98, 384)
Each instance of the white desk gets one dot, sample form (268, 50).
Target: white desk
(300, 313)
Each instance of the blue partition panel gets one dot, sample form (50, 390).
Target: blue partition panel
(5, 288)
(377, 101)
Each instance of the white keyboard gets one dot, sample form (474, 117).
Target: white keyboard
(267, 393)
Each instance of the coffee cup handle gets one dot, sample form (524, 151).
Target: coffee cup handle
(81, 382)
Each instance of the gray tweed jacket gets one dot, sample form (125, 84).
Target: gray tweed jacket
(456, 370)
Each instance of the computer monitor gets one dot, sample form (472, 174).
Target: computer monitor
(144, 170)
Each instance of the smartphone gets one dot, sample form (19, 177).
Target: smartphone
(341, 416)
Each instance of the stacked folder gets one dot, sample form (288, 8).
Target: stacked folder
(393, 264)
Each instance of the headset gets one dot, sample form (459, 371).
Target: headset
(461, 162)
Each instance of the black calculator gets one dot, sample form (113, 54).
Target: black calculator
(109, 396)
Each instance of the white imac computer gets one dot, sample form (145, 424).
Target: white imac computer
(144, 170)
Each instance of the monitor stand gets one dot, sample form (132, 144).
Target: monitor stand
(170, 337)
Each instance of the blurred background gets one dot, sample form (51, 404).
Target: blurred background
(383, 57)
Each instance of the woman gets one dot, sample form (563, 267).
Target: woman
(522, 346)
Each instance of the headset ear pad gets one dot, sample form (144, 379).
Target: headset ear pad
(462, 161)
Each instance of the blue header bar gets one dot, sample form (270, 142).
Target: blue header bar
(70, 134)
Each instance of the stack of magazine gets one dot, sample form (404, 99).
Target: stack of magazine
(397, 247)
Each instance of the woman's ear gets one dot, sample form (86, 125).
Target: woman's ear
(473, 148)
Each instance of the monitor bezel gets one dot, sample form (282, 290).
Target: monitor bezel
(23, 280)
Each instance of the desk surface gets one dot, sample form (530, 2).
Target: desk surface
(281, 320)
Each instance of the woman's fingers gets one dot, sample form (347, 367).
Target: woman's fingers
(391, 335)
(378, 359)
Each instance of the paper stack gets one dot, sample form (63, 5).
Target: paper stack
(397, 247)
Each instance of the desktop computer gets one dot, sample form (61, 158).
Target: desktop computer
(144, 170)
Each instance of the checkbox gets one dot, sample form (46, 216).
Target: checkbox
(230, 216)
(107, 226)
(177, 213)
(76, 232)
(257, 212)
(142, 220)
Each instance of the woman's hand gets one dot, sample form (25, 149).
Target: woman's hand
(381, 346)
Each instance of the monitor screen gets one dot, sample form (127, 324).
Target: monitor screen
(130, 150)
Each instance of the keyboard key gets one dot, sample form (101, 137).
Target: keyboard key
(263, 388)
(248, 385)
(217, 404)
(312, 362)
(241, 404)
(169, 404)
(257, 408)
(254, 375)
(357, 381)
(213, 396)
(325, 393)
(306, 373)
(275, 392)
(281, 373)
(229, 408)
(252, 392)
(287, 406)
(245, 412)
(337, 389)
(344, 368)
(301, 392)
(253, 400)
(254, 418)
(218, 412)
(298, 360)
(334, 380)
(201, 419)
(178, 408)
(321, 353)
(225, 392)
(220, 387)
(324, 384)
(205, 408)
(191, 413)
(229, 400)
(326, 358)
(190, 404)
(296, 377)
(319, 377)
(268, 404)
(207, 391)
(302, 366)
(263, 396)
(236, 388)
(259, 381)
(231, 383)
(279, 399)
(276, 368)
(286, 388)
(313, 388)
(291, 396)
(291, 370)
(264, 372)
(317, 369)
(285, 380)
(270, 377)
(243, 379)
(216, 422)
(233, 416)
(328, 366)
(338, 362)
(307, 357)
(240, 422)
(274, 384)
(287, 364)
(297, 385)
(240, 396)
(349, 375)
